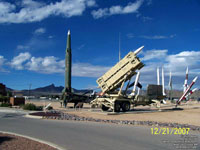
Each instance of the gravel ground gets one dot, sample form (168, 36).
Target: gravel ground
(67, 116)
(186, 117)
(12, 142)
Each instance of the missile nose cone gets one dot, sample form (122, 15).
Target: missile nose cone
(195, 89)
(68, 32)
(138, 50)
(187, 70)
(195, 79)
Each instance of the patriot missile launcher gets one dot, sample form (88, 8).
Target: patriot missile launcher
(121, 72)
(113, 81)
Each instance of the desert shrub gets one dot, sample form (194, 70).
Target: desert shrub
(50, 108)
(39, 108)
(31, 106)
(5, 105)
(4, 99)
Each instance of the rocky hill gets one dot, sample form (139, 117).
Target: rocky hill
(46, 90)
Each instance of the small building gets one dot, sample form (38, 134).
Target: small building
(16, 101)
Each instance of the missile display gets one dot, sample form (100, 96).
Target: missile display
(158, 76)
(68, 64)
(138, 93)
(170, 79)
(191, 92)
(186, 79)
(163, 82)
(170, 85)
(115, 76)
(138, 50)
(187, 90)
(135, 84)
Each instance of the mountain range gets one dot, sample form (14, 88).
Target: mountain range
(46, 90)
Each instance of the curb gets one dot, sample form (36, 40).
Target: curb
(34, 139)
(34, 117)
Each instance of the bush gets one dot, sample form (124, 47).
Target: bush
(50, 108)
(31, 106)
(4, 99)
(39, 108)
(5, 105)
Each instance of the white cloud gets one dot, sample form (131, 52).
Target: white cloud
(176, 63)
(88, 70)
(154, 54)
(40, 31)
(17, 61)
(32, 11)
(152, 59)
(91, 3)
(2, 62)
(51, 65)
(179, 61)
(31, 4)
(130, 8)
(47, 65)
(156, 37)
(6, 8)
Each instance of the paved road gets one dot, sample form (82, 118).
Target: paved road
(86, 135)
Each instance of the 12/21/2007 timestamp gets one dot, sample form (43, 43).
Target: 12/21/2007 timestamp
(170, 131)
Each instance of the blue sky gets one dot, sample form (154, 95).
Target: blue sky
(33, 39)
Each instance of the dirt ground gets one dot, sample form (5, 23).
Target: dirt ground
(190, 113)
(12, 142)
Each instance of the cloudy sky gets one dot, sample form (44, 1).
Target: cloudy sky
(33, 39)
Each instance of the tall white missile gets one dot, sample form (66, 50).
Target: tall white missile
(138, 50)
(186, 79)
(158, 76)
(163, 82)
(138, 92)
(135, 84)
(170, 85)
(187, 90)
(170, 79)
(191, 92)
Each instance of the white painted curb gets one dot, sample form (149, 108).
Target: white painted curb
(31, 116)
(34, 139)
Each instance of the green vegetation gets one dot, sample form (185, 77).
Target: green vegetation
(9, 94)
(5, 105)
(4, 99)
(50, 108)
(31, 106)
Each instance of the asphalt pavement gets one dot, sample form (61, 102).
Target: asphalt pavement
(74, 135)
